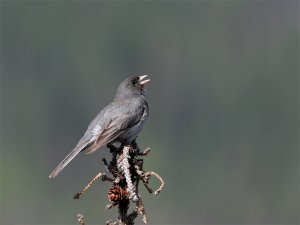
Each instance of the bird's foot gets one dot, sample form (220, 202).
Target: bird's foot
(114, 149)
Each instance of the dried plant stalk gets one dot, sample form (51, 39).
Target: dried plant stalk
(127, 170)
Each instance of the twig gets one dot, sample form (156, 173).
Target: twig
(132, 216)
(77, 195)
(110, 222)
(80, 219)
(141, 209)
(147, 176)
(145, 152)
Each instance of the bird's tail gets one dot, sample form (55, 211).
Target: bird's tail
(65, 162)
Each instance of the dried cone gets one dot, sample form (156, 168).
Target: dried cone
(117, 193)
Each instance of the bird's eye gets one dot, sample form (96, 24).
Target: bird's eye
(134, 81)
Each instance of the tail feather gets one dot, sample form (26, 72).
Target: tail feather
(65, 162)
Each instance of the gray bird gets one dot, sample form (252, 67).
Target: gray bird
(120, 121)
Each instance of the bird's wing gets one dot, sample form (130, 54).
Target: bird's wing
(112, 121)
(118, 124)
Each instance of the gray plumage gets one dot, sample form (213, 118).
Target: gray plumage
(120, 121)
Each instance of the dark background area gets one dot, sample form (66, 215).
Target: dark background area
(223, 96)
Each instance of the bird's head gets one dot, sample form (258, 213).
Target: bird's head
(133, 85)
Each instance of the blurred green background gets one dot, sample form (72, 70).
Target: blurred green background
(224, 101)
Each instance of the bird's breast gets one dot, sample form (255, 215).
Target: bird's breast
(131, 133)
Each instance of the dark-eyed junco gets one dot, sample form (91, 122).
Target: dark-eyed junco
(120, 121)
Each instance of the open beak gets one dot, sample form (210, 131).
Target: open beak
(142, 81)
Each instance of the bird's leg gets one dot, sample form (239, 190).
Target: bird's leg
(111, 147)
